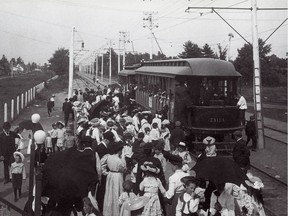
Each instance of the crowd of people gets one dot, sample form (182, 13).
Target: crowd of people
(144, 166)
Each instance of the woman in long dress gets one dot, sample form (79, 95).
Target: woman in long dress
(116, 165)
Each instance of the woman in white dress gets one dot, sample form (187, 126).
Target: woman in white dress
(116, 165)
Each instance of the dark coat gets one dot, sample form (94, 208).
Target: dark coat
(67, 107)
(103, 150)
(7, 145)
(177, 135)
(241, 154)
(250, 129)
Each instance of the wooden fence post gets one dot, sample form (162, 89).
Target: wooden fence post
(12, 109)
(5, 113)
(17, 105)
(22, 101)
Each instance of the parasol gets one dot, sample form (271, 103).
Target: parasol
(136, 203)
(96, 108)
(220, 170)
(29, 125)
(68, 174)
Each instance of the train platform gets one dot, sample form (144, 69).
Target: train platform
(272, 159)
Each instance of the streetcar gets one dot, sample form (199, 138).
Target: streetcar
(198, 92)
(126, 77)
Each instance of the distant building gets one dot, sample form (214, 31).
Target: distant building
(18, 69)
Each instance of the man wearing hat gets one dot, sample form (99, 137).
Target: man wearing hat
(7, 148)
(241, 153)
(177, 135)
(67, 109)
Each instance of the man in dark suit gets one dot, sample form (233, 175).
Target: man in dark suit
(241, 153)
(7, 148)
(67, 109)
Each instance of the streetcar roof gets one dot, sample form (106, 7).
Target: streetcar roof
(126, 72)
(189, 67)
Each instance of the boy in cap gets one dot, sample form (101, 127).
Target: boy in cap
(188, 201)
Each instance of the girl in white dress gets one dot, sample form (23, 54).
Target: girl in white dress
(150, 185)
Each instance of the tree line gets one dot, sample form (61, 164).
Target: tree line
(5, 65)
(273, 68)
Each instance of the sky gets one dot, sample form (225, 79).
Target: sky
(34, 29)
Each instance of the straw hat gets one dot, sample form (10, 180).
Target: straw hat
(95, 122)
(136, 203)
(19, 154)
(182, 144)
(165, 122)
(82, 120)
(149, 166)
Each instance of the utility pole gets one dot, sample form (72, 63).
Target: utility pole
(97, 66)
(124, 37)
(257, 79)
(102, 66)
(149, 21)
(257, 73)
(119, 53)
(71, 64)
(110, 62)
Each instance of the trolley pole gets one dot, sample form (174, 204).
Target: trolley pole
(71, 63)
(257, 80)
(102, 67)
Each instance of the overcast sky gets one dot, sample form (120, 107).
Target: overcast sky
(34, 29)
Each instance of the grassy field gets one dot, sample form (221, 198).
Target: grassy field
(270, 95)
(10, 88)
(273, 95)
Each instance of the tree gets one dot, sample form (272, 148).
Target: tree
(59, 62)
(13, 61)
(4, 66)
(222, 52)
(244, 64)
(207, 52)
(20, 62)
(191, 50)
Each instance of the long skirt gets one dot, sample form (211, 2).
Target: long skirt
(112, 193)
(153, 207)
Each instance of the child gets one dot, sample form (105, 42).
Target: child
(61, 132)
(150, 185)
(17, 173)
(126, 196)
(188, 201)
(159, 147)
(53, 134)
(48, 143)
(19, 141)
(69, 141)
(90, 206)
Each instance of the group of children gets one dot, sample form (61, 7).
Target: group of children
(58, 137)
